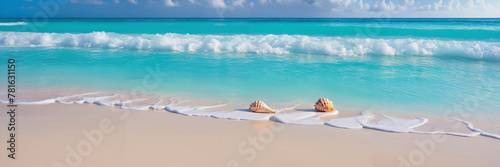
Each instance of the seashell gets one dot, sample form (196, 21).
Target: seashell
(325, 105)
(261, 107)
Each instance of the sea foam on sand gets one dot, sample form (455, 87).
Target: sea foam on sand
(290, 114)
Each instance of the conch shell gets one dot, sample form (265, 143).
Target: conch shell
(325, 105)
(261, 107)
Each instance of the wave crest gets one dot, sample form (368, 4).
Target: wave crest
(259, 44)
(13, 24)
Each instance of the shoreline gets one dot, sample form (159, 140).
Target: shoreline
(449, 123)
(174, 140)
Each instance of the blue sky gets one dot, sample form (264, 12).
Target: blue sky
(247, 8)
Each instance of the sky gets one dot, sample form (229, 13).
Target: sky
(249, 8)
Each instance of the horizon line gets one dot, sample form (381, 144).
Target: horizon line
(257, 18)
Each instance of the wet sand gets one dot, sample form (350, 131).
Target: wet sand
(91, 135)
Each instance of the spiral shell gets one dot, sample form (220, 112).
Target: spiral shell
(325, 105)
(261, 107)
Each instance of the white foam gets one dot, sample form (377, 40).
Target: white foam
(388, 123)
(285, 115)
(13, 24)
(82, 98)
(122, 103)
(46, 101)
(246, 114)
(453, 131)
(140, 107)
(303, 118)
(481, 132)
(192, 110)
(350, 122)
(66, 99)
(155, 106)
(287, 108)
(63, 100)
(242, 115)
(96, 100)
(448, 133)
(106, 102)
(258, 44)
(393, 124)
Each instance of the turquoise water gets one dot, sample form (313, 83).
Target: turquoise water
(398, 65)
(463, 29)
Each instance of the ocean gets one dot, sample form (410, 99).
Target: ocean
(398, 75)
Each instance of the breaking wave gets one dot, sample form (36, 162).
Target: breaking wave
(258, 44)
(13, 24)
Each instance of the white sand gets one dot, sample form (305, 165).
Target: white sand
(151, 138)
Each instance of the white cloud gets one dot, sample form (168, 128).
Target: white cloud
(96, 2)
(470, 4)
(476, 4)
(238, 3)
(218, 4)
(287, 1)
(358, 5)
(170, 3)
(407, 4)
(454, 4)
(437, 5)
(92, 2)
(224, 4)
(342, 5)
(400, 5)
(194, 2)
(328, 5)
(383, 6)
(424, 7)
(264, 1)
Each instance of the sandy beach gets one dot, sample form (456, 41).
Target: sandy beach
(91, 135)
(250, 83)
